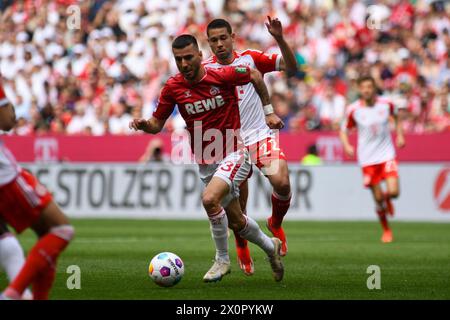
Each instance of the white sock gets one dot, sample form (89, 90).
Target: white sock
(219, 232)
(253, 233)
(12, 258)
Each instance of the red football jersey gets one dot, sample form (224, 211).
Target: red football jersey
(211, 103)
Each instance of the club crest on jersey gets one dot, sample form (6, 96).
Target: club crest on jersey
(187, 93)
(214, 91)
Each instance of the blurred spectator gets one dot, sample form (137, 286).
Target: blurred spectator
(120, 120)
(331, 107)
(93, 80)
(154, 152)
(312, 156)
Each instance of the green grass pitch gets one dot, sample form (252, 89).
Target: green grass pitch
(326, 260)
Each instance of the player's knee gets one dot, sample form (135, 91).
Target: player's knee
(66, 232)
(237, 224)
(379, 198)
(283, 187)
(210, 201)
(394, 193)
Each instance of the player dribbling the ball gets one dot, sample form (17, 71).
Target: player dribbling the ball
(207, 101)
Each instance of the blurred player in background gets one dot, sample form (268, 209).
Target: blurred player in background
(256, 122)
(376, 153)
(207, 101)
(25, 203)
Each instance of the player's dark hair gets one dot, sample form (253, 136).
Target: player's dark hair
(365, 78)
(183, 41)
(217, 24)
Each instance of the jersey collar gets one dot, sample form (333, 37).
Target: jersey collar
(235, 56)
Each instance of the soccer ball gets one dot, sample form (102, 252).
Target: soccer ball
(166, 269)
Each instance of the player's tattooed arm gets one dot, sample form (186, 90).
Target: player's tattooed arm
(152, 125)
(288, 62)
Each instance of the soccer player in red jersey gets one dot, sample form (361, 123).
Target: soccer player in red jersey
(376, 153)
(257, 122)
(207, 101)
(25, 203)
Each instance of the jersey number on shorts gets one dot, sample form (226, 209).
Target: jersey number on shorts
(227, 166)
(269, 147)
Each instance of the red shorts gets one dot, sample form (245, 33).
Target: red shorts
(22, 201)
(376, 173)
(263, 152)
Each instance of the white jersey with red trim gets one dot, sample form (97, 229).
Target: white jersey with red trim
(253, 121)
(374, 137)
(9, 168)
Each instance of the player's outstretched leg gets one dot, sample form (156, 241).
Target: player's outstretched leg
(215, 191)
(54, 233)
(281, 200)
(250, 230)
(245, 260)
(12, 257)
(382, 213)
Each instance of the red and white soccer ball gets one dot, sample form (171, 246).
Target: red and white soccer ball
(166, 269)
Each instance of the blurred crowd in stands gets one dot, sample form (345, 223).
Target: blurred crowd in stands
(92, 76)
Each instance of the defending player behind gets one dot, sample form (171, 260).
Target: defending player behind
(257, 120)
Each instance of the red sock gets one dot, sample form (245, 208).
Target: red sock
(40, 261)
(240, 242)
(383, 219)
(43, 283)
(279, 209)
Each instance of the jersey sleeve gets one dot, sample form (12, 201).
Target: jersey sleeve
(349, 120)
(393, 110)
(166, 104)
(3, 98)
(235, 76)
(265, 62)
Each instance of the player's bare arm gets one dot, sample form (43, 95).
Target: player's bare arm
(400, 140)
(288, 62)
(272, 120)
(152, 125)
(348, 148)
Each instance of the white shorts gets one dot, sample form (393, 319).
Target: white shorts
(234, 170)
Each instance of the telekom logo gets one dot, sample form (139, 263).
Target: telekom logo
(330, 149)
(46, 149)
(442, 190)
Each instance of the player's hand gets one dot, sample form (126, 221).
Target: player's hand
(274, 27)
(274, 122)
(349, 151)
(400, 141)
(138, 124)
